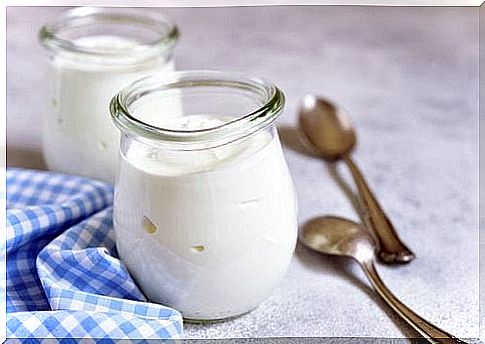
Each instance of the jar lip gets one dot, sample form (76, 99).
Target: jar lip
(272, 104)
(50, 38)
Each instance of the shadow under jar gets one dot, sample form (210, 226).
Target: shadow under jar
(93, 53)
(204, 209)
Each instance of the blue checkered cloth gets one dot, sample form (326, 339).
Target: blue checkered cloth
(64, 278)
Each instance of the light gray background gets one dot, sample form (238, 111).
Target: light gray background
(482, 171)
(409, 79)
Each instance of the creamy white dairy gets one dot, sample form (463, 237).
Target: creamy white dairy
(78, 135)
(208, 232)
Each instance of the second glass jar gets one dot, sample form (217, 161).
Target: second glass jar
(93, 53)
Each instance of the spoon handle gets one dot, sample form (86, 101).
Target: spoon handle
(391, 248)
(432, 333)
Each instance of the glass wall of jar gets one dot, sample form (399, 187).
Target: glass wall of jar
(205, 209)
(93, 53)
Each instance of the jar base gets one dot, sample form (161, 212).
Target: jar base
(216, 320)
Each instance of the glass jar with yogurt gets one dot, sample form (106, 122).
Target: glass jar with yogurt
(93, 53)
(204, 209)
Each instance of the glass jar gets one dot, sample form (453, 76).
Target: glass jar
(204, 209)
(93, 53)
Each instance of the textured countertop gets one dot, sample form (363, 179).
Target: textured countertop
(409, 79)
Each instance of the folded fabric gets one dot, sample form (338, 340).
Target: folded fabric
(64, 278)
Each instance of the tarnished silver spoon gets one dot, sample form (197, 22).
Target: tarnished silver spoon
(329, 131)
(341, 237)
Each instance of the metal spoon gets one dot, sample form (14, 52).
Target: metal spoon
(329, 131)
(338, 236)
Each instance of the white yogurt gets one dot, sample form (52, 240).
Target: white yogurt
(208, 232)
(78, 135)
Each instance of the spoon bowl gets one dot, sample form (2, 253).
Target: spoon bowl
(338, 236)
(327, 128)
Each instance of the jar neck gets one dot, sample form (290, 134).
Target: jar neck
(113, 64)
(246, 105)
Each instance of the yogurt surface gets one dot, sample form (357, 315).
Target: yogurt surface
(209, 232)
(78, 135)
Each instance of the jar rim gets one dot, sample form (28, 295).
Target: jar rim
(49, 34)
(271, 97)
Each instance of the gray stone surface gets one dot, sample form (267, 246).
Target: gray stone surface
(409, 79)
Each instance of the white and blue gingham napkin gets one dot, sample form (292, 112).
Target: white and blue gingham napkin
(64, 279)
